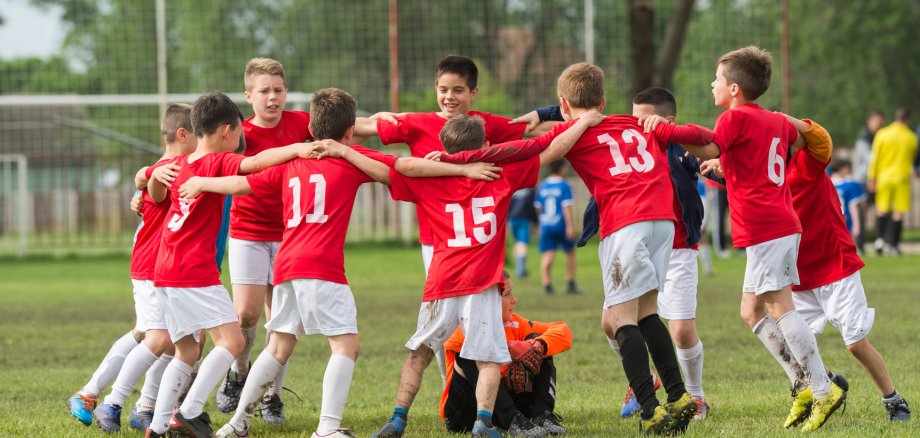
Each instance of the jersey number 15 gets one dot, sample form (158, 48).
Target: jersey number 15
(461, 239)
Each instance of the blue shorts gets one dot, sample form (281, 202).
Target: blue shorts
(551, 239)
(520, 229)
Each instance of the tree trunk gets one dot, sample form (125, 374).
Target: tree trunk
(642, 43)
(673, 42)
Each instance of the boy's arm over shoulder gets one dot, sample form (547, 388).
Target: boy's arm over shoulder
(556, 336)
(224, 185)
(817, 141)
(269, 157)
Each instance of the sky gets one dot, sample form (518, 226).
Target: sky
(28, 31)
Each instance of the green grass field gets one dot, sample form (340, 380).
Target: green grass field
(58, 317)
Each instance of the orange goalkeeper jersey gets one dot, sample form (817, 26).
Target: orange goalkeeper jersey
(556, 335)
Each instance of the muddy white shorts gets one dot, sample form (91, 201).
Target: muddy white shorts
(252, 261)
(678, 298)
(188, 310)
(147, 307)
(771, 265)
(841, 303)
(634, 260)
(311, 306)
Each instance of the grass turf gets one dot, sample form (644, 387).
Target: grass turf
(59, 316)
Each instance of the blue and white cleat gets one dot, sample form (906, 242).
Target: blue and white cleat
(108, 417)
(140, 420)
(82, 407)
(395, 428)
(480, 430)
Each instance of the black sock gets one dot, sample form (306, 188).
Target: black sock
(881, 226)
(661, 349)
(894, 233)
(635, 364)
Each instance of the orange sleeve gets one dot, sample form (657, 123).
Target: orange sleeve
(556, 335)
(819, 141)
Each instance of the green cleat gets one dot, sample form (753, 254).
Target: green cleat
(801, 407)
(681, 412)
(823, 407)
(659, 424)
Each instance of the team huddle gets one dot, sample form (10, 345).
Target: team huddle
(294, 187)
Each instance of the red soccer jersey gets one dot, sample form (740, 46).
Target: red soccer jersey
(318, 197)
(625, 170)
(147, 239)
(827, 252)
(259, 218)
(467, 219)
(188, 245)
(422, 131)
(755, 144)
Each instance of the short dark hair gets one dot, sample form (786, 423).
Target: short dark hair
(875, 113)
(556, 167)
(902, 114)
(176, 116)
(661, 98)
(582, 85)
(461, 66)
(212, 110)
(750, 67)
(463, 133)
(839, 164)
(332, 112)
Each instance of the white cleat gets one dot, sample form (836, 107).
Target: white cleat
(228, 431)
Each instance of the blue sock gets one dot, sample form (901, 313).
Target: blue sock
(485, 417)
(401, 413)
(520, 263)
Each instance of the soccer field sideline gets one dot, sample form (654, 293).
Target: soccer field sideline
(59, 316)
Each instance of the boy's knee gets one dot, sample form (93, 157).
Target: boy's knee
(249, 318)
(751, 315)
(859, 347)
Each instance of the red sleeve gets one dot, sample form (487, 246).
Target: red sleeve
(498, 130)
(266, 182)
(684, 134)
(149, 172)
(726, 131)
(390, 133)
(389, 160)
(230, 164)
(509, 152)
(401, 187)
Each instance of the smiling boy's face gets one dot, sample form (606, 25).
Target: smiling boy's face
(267, 97)
(454, 95)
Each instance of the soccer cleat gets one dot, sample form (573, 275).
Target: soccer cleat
(140, 420)
(395, 428)
(681, 411)
(480, 430)
(550, 422)
(631, 404)
(272, 410)
(151, 434)
(337, 433)
(822, 408)
(658, 424)
(229, 431)
(108, 417)
(897, 409)
(702, 409)
(228, 396)
(521, 426)
(801, 407)
(572, 288)
(198, 427)
(548, 289)
(839, 380)
(82, 407)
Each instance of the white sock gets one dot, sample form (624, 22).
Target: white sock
(213, 368)
(174, 378)
(691, 364)
(148, 399)
(107, 371)
(804, 347)
(241, 364)
(772, 338)
(263, 371)
(278, 383)
(705, 256)
(336, 383)
(442, 365)
(615, 347)
(136, 364)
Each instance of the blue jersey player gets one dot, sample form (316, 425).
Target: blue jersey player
(554, 205)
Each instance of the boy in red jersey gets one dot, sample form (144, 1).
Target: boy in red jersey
(628, 173)
(310, 266)
(522, 411)
(456, 80)
(256, 228)
(754, 145)
(830, 288)
(186, 279)
(176, 128)
(468, 223)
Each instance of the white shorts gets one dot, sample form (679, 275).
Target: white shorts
(147, 307)
(190, 309)
(677, 300)
(427, 254)
(771, 265)
(313, 306)
(842, 303)
(634, 260)
(480, 316)
(252, 261)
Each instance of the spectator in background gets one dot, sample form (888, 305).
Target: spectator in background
(852, 197)
(522, 216)
(862, 153)
(893, 151)
(557, 228)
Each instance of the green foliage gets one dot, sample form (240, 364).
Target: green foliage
(58, 318)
